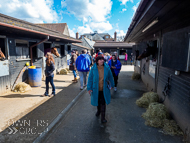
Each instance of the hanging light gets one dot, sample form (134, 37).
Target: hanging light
(150, 25)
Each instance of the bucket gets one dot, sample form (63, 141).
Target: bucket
(35, 76)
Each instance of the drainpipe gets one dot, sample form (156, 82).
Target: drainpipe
(31, 62)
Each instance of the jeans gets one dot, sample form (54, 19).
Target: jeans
(49, 79)
(115, 77)
(75, 74)
(82, 76)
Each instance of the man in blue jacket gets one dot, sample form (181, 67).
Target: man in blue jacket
(115, 66)
(83, 66)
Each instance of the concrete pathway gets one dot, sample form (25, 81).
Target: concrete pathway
(125, 124)
(16, 106)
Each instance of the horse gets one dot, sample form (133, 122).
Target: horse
(147, 52)
(2, 56)
(55, 52)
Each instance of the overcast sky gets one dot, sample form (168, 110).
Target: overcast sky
(83, 16)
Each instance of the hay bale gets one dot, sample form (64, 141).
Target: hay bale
(155, 115)
(171, 128)
(147, 98)
(136, 76)
(22, 87)
(63, 72)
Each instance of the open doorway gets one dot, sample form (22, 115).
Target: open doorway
(3, 50)
(69, 49)
(34, 50)
(122, 52)
(47, 48)
(62, 50)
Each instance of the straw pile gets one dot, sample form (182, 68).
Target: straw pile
(147, 98)
(155, 115)
(63, 72)
(136, 76)
(69, 71)
(22, 87)
(171, 128)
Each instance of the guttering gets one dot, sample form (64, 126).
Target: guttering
(65, 38)
(31, 55)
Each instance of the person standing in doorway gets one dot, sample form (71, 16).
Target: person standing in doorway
(115, 66)
(131, 58)
(72, 65)
(83, 66)
(100, 81)
(50, 67)
(126, 56)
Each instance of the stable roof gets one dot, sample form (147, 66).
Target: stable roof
(7, 22)
(171, 15)
(81, 46)
(113, 44)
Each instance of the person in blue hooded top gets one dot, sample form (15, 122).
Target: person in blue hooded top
(83, 66)
(115, 66)
(100, 81)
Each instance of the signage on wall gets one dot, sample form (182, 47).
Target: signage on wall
(138, 63)
(152, 68)
(122, 57)
(68, 59)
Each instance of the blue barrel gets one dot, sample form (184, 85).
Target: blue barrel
(35, 77)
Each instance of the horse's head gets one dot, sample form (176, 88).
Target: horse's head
(2, 56)
(147, 52)
(55, 52)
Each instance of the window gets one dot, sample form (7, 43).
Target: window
(22, 49)
(107, 37)
(62, 50)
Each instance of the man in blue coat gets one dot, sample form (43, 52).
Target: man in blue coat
(83, 66)
(115, 66)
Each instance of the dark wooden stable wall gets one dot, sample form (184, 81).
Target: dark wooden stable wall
(178, 99)
(16, 66)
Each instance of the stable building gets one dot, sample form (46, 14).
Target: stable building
(161, 30)
(22, 42)
(115, 47)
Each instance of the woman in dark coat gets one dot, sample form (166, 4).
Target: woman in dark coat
(50, 67)
(72, 65)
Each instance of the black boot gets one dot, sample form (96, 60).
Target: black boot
(103, 113)
(98, 111)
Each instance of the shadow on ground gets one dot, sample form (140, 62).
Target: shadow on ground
(34, 123)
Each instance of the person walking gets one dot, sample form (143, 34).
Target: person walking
(83, 66)
(90, 57)
(100, 81)
(72, 65)
(115, 53)
(115, 66)
(126, 56)
(50, 67)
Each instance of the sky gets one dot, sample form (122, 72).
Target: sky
(82, 16)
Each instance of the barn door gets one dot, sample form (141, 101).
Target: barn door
(4, 67)
(4, 63)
